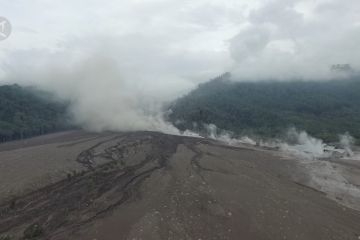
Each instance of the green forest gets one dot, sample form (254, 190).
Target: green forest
(324, 109)
(25, 112)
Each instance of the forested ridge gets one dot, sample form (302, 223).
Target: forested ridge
(25, 112)
(324, 109)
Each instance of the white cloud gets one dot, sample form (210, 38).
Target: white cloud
(298, 38)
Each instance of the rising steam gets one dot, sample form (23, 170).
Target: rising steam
(101, 97)
(296, 143)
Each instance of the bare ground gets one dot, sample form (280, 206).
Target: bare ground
(145, 185)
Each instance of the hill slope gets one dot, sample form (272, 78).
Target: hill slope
(25, 113)
(323, 108)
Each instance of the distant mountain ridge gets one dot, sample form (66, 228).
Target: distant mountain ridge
(324, 109)
(25, 112)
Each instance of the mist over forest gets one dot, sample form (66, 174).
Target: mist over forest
(153, 72)
(324, 109)
(122, 71)
(264, 109)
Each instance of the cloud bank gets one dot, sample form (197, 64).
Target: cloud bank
(297, 39)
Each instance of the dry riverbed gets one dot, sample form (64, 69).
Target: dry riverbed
(145, 185)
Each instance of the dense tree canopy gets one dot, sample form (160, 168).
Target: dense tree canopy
(325, 109)
(25, 112)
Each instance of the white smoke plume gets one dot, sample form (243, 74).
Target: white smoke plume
(296, 143)
(302, 144)
(347, 143)
(101, 97)
(227, 137)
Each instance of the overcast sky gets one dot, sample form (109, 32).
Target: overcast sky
(163, 48)
(187, 39)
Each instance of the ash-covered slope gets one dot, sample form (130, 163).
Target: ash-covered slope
(324, 109)
(148, 185)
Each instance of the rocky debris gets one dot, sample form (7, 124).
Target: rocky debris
(34, 231)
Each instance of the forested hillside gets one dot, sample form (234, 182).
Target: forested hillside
(25, 112)
(268, 108)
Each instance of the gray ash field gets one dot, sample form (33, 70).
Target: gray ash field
(146, 185)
